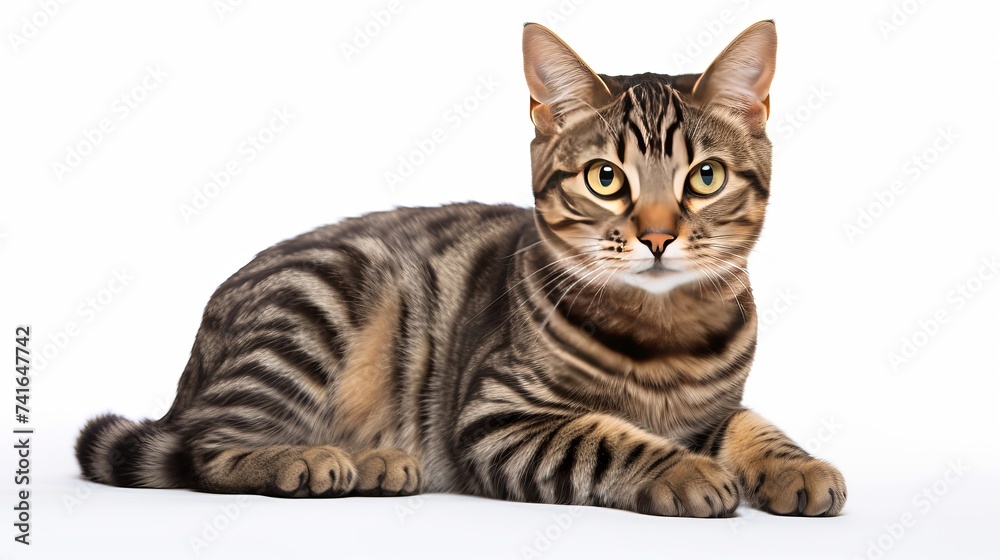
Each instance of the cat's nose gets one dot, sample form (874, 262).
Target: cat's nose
(656, 242)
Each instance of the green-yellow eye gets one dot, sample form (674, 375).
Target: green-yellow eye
(605, 179)
(707, 178)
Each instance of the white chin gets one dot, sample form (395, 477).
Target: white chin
(659, 281)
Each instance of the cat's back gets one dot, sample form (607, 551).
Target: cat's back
(389, 242)
(409, 233)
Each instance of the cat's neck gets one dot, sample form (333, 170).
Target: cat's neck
(630, 317)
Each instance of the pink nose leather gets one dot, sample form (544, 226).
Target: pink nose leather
(656, 242)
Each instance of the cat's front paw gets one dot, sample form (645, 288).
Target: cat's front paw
(693, 486)
(795, 486)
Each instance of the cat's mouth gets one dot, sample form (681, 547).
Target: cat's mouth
(658, 269)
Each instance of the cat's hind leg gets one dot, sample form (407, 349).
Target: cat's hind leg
(289, 471)
(325, 471)
(387, 472)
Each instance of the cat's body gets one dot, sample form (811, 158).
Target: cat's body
(560, 355)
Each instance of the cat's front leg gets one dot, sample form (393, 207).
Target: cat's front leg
(588, 459)
(776, 475)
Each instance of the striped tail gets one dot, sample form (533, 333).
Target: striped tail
(117, 451)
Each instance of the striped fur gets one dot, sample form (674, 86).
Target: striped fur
(588, 351)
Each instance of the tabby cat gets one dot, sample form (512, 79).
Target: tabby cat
(592, 350)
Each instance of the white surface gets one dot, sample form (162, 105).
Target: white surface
(78, 519)
(834, 307)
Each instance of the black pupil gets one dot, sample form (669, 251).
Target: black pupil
(606, 176)
(706, 174)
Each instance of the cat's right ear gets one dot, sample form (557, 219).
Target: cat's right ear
(563, 88)
(740, 77)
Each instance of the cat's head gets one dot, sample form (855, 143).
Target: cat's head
(651, 180)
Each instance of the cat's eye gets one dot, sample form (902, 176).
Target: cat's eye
(605, 179)
(707, 178)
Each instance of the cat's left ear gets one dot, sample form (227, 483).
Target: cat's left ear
(740, 77)
(562, 86)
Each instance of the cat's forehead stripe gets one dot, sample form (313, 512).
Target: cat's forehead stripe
(652, 113)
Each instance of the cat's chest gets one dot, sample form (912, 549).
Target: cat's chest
(666, 398)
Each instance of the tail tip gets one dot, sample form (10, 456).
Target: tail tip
(96, 443)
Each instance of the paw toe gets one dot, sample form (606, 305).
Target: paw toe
(810, 488)
(328, 470)
(695, 487)
(292, 478)
(387, 472)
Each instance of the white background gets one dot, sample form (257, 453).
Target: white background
(853, 103)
